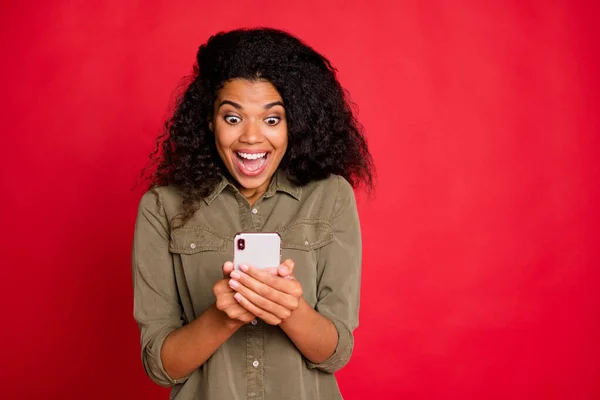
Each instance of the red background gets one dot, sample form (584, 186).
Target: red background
(481, 247)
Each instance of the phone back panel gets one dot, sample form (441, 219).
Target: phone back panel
(260, 250)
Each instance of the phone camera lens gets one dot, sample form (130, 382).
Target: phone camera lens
(241, 244)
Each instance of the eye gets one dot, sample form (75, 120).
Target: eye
(232, 119)
(272, 121)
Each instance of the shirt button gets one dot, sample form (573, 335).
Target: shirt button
(193, 245)
(254, 211)
(254, 322)
(255, 363)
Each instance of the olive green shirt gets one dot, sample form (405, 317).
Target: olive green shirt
(174, 270)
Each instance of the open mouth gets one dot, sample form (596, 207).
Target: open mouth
(251, 164)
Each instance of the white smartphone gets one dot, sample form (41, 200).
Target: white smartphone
(257, 249)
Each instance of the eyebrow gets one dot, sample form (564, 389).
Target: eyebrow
(239, 106)
(273, 104)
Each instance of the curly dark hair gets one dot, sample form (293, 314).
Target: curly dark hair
(324, 136)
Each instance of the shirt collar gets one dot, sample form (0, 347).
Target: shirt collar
(279, 183)
(217, 190)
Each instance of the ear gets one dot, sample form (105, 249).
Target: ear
(210, 126)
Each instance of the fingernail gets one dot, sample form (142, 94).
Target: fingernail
(244, 267)
(234, 284)
(283, 269)
(235, 275)
(237, 296)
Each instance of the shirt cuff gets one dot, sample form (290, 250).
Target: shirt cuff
(153, 363)
(342, 353)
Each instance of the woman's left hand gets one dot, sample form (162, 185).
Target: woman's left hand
(271, 296)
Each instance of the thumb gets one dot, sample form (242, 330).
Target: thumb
(286, 268)
(227, 269)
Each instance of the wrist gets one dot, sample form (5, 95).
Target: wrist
(233, 324)
(225, 322)
(302, 304)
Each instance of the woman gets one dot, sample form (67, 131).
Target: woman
(263, 139)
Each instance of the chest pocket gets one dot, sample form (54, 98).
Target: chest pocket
(301, 241)
(195, 240)
(306, 234)
(200, 256)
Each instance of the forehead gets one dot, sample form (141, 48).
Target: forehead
(245, 91)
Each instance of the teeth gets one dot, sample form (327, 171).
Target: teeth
(257, 167)
(253, 156)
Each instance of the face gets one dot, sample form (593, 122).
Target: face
(250, 132)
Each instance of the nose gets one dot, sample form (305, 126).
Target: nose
(252, 133)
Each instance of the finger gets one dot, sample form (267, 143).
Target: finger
(288, 286)
(286, 268)
(247, 317)
(264, 296)
(239, 312)
(225, 302)
(260, 313)
(222, 286)
(281, 311)
(225, 299)
(227, 268)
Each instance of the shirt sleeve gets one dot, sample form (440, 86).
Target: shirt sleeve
(338, 288)
(156, 306)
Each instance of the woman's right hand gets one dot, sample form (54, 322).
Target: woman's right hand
(225, 300)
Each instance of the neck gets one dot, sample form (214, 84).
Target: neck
(253, 194)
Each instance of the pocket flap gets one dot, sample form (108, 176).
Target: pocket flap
(306, 234)
(196, 239)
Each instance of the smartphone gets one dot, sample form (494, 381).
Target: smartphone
(257, 249)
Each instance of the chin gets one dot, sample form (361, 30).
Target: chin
(250, 182)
